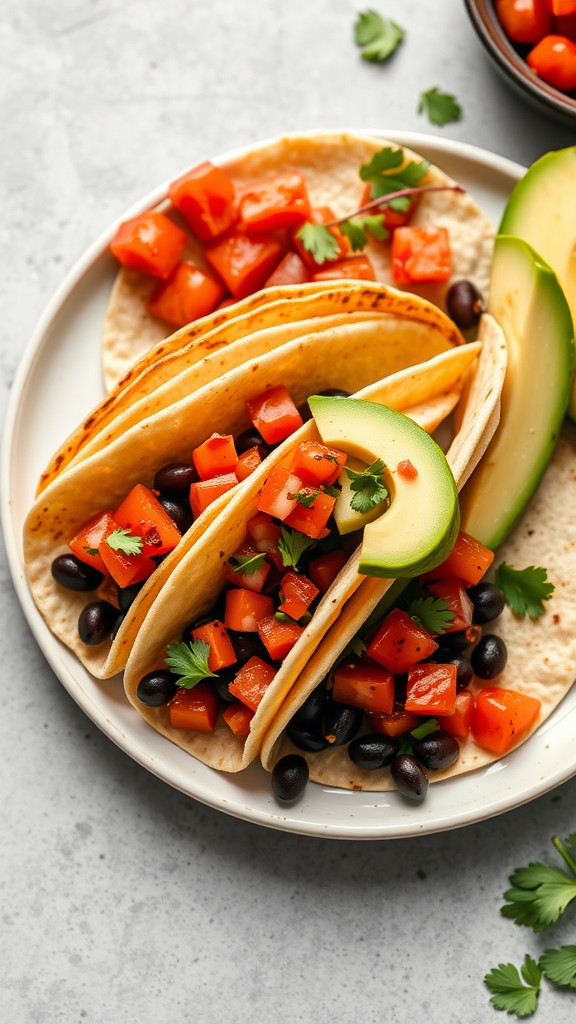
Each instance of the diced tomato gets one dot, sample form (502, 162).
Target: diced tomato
(253, 581)
(355, 268)
(323, 215)
(277, 495)
(215, 457)
(150, 243)
(459, 723)
(397, 723)
(274, 203)
(244, 609)
(407, 470)
(290, 270)
(421, 254)
(205, 198)
(247, 463)
(125, 569)
(324, 569)
(222, 652)
(299, 592)
(553, 59)
(524, 21)
(87, 541)
(266, 535)
(239, 718)
(205, 492)
(392, 218)
(252, 681)
(502, 717)
(453, 591)
(144, 516)
(365, 685)
(468, 560)
(400, 643)
(274, 414)
(244, 263)
(316, 463)
(431, 689)
(189, 293)
(311, 520)
(562, 8)
(278, 637)
(194, 709)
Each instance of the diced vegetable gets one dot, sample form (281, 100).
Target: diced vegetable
(222, 652)
(150, 243)
(290, 270)
(453, 591)
(144, 516)
(266, 535)
(431, 689)
(553, 59)
(364, 685)
(87, 541)
(239, 718)
(323, 215)
(311, 519)
(397, 723)
(524, 21)
(459, 723)
(274, 414)
(407, 470)
(278, 637)
(252, 681)
(189, 293)
(420, 254)
(324, 569)
(215, 457)
(247, 463)
(194, 709)
(252, 579)
(299, 592)
(400, 643)
(502, 717)
(205, 198)
(356, 268)
(125, 569)
(316, 463)
(277, 495)
(205, 492)
(392, 218)
(244, 609)
(468, 560)
(274, 203)
(244, 263)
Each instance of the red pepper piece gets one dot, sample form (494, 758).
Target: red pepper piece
(189, 294)
(252, 681)
(205, 198)
(244, 263)
(247, 463)
(316, 463)
(150, 243)
(324, 569)
(311, 520)
(364, 685)
(459, 723)
(290, 270)
(397, 723)
(431, 690)
(468, 560)
(125, 569)
(253, 581)
(278, 637)
(400, 643)
(355, 268)
(299, 592)
(205, 492)
(144, 516)
(274, 203)
(453, 591)
(215, 457)
(239, 718)
(194, 709)
(277, 495)
(274, 414)
(244, 610)
(87, 541)
(221, 650)
(420, 254)
(502, 717)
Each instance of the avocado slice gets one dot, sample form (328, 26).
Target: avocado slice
(528, 303)
(346, 518)
(542, 211)
(420, 526)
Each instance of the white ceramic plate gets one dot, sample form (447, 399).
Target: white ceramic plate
(58, 382)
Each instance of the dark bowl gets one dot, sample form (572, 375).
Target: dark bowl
(483, 17)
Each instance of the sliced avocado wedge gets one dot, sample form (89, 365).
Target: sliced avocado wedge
(421, 524)
(542, 211)
(346, 518)
(528, 303)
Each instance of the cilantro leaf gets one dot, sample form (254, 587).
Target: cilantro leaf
(319, 241)
(369, 487)
(334, 491)
(355, 230)
(305, 498)
(190, 661)
(247, 564)
(122, 540)
(378, 36)
(441, 107)
(355, 646)
(382, 183)
(91, 551)
(525, 590)
(508, 992)
(292, 546)
(559, 965)
(432, 613)
(539, 895)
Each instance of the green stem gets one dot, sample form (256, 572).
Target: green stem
(570, 862)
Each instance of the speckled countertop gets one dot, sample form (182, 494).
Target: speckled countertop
(122, 900)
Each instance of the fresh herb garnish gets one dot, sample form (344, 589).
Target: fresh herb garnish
(559, 965)
(247, 564)
(333, 492)
(190, 661)
(305, 498)
(432, 613)
(421, 731)
(369, 487)
(525, 590)
(122, 540)
(292, 546)
(508, 992)
(355, 646)
(383, 183)
(319, 241)
(91, 551)
(355, 230)
(377, 36)
(540, 894)
(441, 107)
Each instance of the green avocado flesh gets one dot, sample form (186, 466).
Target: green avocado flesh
(542, 212)
(419, 529)
(528, 303)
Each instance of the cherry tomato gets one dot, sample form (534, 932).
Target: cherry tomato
(524, 21)
(554, 61)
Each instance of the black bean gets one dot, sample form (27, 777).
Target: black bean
(96, 622)
(488, 601)
(464, 304)
(489, 657)
(127, 595)
(306, 737)
(222, 682)
(341, 722)
(439, 750)
(409, 777)
(175, 479)
(246, 645)
(156, 688)
(373, 751)
(461, 639)
(181, 518)
(73, 574)
(311, 711)
(251, 438)
(289, 778)
(464, 672)
(304, 409)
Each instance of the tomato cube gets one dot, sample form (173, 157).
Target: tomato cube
(468, 560)
(252, 580)
(311, 519)
(453, 591)
(247, 463)
(266, 535)
(421, 254)
(87, 541)
(215, 457)
(189, 293)
(277, 495)
(244, 610)
(431, 689)
(239, 718)
(364, 685)
(150, 243)
(397, 723)
(459, 723)
(298, 593)
(315, 463)
(222, 652)
(356, 268)
(278, 637)
(392, 218)
(527, 21)
(501, 718)
(407, 470)
(274, 414)
(144, 516)
(400, 643)
(125, 569)
(324, 569)
(194, 709)
(323, 215)
(252, 681)
(290, 270)
(274, 203)
(205, 492)
(205, 198)
(244, 263)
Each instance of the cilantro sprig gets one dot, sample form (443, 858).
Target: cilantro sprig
(190, 661)
(292, 546)
(319, 241)
(432, 613)
(247, 564)
(122, 540)
(357, 228)
(525, 590)
(377, 36)
(540, 893)
(508, 992)
(559, 965)
(305, 498)
(368, 487)
(442, 107)
(386, 175)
